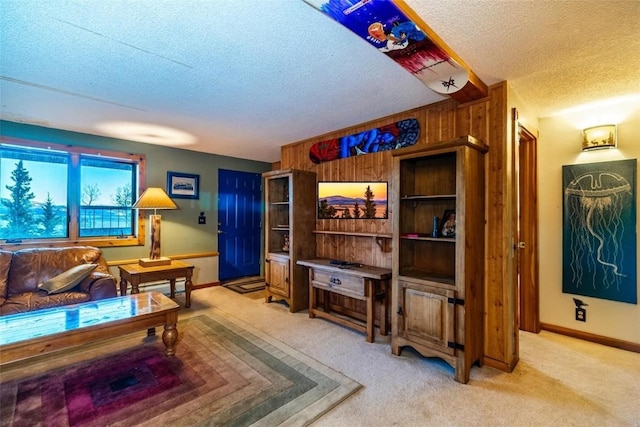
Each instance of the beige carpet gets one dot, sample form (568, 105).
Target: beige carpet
(225, 373)
(559, 381)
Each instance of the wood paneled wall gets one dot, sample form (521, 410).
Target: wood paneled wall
(486, 120)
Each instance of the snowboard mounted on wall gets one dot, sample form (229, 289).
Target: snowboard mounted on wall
(391, 137)
(386, 27)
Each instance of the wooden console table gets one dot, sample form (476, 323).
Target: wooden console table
(136, 274)
(361, 282)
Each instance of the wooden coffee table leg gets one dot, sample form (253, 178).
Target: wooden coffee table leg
(170, 338)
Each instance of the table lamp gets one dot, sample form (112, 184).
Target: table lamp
(154, 198)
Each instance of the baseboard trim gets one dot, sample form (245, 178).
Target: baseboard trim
(205, 285)
(599, 339)
(500, 364)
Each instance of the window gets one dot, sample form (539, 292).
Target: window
(106, 197)
(53, 194)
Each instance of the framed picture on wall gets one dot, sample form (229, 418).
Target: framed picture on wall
(183, 185)
(599, 244)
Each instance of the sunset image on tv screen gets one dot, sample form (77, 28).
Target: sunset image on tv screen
(352, 200)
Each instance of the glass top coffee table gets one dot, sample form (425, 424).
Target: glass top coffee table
(25, 335)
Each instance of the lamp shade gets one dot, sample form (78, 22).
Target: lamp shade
(154, 198)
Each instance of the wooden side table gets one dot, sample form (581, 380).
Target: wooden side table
(136, 274)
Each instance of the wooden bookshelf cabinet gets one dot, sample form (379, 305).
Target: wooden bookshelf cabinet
(290, 217)
(438, 282)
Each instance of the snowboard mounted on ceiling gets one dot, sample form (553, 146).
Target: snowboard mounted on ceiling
(386, 27)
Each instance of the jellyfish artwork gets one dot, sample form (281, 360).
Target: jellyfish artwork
(595, 203)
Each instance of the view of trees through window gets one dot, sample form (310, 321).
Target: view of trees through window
(105, 209)
(41, 189)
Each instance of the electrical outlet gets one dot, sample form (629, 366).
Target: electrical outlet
(581, 311)
(202, 219)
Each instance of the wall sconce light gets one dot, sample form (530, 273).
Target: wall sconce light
(599, 137)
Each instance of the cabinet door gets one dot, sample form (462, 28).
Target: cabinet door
(426, 316)
(279, 276)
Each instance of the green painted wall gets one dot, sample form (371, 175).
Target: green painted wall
(181, 233)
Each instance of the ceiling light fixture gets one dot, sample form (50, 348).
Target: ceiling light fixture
(149, 133)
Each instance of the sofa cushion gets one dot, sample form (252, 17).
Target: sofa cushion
(68, 279)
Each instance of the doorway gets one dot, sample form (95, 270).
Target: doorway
(527, 247)
(239, 223)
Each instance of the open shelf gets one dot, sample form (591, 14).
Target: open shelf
(280, 253)
(428, 197)
(382, 239)
(429, 238)
(355, 233)
(413, 274)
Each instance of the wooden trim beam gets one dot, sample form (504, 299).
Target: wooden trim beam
(116, 263)
(475, 88)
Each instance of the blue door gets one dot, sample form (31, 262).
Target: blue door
(239, 223)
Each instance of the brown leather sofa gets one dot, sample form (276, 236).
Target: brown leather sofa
(22, 271)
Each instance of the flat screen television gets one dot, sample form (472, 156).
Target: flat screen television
(352, 200)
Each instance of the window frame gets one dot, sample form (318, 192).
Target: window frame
(73, 208)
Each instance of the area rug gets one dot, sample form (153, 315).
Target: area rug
(225, 373)
(246, 285)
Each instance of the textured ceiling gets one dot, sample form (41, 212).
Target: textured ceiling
(243, 77)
